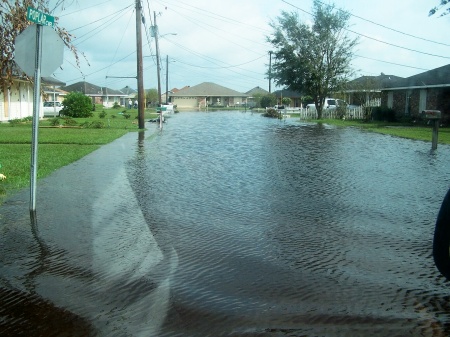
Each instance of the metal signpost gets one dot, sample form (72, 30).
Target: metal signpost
(29, 54)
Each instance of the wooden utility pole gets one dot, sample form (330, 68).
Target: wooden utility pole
(167, 79)
(157, 60)
(270, 71)
(140, 68)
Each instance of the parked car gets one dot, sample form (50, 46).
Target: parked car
(330, 103)
(52, 108)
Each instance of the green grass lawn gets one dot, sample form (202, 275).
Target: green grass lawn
(57, 146)
(422, 132)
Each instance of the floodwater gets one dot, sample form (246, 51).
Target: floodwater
(231, 224)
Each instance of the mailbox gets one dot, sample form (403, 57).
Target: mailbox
(431, 114)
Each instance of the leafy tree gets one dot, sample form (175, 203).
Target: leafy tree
(286, 101)
(151, 95)
(312, 59)
(76, 104)
(268, 100)
(13, 19)
(439, 7)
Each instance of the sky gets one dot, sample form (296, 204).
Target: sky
(224, 42)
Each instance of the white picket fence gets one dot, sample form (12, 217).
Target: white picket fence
(311, 113)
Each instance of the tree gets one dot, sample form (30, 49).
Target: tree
(439, 7)
(76, 104)
(13, 19)
(268, 100)
(151, 95)
(312, 59)
(286, 101)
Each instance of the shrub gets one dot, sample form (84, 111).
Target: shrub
(126, 116)
(116, 105)
(272, 113)
(102, 114)
(55, 121)
(77, 105)
(384, 114)
(68, 121)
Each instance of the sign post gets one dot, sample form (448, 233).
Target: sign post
(30, 42)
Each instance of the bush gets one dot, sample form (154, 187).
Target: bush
(272, 113)
(102, 114)
(384, 114)
(77, 105)
(116, 105)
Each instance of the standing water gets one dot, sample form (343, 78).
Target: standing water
(230, 224)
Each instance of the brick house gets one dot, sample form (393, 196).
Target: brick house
(428, 90)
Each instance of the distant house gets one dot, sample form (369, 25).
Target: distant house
(17, 101)
(296, 97)
(53, 93)
(129, 93)
(207, 94)
(99, 95)
(254, 95)
(366, 90)
(428, 90)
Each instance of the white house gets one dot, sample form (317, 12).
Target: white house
(17, 101)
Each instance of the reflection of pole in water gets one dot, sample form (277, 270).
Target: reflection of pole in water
(41, 257)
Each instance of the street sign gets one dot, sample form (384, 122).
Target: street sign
(52, 50)
(39, 17)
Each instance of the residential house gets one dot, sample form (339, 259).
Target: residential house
(129, 93)
(207, 94)
(17, 101)
(254, 96)
(99, 95)
(429, 90)
(366, 90)
(296, 97)
(52, 93)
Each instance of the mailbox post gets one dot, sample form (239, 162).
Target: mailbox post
(434, 116)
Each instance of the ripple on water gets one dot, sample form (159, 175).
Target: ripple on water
(230, 224)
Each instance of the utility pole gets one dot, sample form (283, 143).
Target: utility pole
(270, 71)
(167, 78)
(140, 68)
(157, 60)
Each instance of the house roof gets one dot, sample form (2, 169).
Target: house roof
(208, 89)
(436, 77)
(287, 93)
(372, 82)
(128, 91)
(257, 91)
(90, 89)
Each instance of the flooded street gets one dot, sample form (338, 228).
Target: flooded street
(231, 224)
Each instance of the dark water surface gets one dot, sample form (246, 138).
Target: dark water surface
(230, 224)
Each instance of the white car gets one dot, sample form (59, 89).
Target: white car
(52, 108)
(330, 103)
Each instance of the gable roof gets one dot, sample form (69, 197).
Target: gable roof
(128, 91)
(372, 82)
(90, 89)
(257, 91)
(438, 77)
(208, 89)
(287, 93)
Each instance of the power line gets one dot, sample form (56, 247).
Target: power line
(371, 38)
(389, 28)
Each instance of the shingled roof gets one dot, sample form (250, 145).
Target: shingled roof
(208, 89)
(90, 89)
(435, 77)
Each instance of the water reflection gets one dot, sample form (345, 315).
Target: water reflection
(230, 224)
